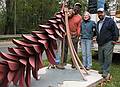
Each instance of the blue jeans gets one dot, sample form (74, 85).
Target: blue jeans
(58, 52)
(105, 56)
(86, 52)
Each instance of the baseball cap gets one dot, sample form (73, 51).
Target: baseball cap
(100, 9)
(78, 4)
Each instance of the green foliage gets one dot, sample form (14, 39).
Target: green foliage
(31, 13)
(2, 21)
(2, 16)
(115, 71)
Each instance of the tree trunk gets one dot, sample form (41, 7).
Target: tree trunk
(9, 26)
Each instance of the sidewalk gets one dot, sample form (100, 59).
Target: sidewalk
(14, 35)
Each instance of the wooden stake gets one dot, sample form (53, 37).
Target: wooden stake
(70, 42)
(79, 59)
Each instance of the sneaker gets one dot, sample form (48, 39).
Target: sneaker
(52, 66)
(60, 66)
(100, 72)
(81, 67)
(73, 66)
(64, 64)
(105, 75)
(88, 68)
(108, 77)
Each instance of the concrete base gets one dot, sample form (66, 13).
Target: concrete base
(66, 78)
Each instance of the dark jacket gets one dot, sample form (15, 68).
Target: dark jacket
(108, 32)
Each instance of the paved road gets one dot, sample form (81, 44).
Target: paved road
(4, 48)
(5, 45)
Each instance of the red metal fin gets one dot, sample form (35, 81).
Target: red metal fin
(8, 56)
(53, 44)
(16, 78)
(28, 50)
(4, 83)
(52, 36)
(30, 38)
(44, 42)
(58, 20)
(13, 65)
(11, 50)
(32, 61)
(21, 82)
(3, 67)
(52, 21)
(11, 75)
(44, 26)
(50, 56)
(50, 31)
(28, 76)
(1, 75)
(42, 36)
(41, 65)
(37, 48)
(61, 28)
(58, 16)
(23, 61)
(58, 33)
(55, 26)
(38, 32)
(21, 43)
(18, 51)
(34, 73)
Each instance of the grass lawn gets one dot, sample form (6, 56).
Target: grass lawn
(115, 71)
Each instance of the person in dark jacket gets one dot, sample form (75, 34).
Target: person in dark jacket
(107, 32)
(87, 27)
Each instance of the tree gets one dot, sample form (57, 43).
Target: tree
(29, 14)
(2, 16)
(9, 26)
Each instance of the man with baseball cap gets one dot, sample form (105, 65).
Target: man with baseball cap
(74, 22)
(77, 4)
(100, 9)
(107, 32)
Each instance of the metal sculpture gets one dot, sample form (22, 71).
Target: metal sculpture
(27, 55)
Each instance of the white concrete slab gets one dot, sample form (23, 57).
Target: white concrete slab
(65, 78)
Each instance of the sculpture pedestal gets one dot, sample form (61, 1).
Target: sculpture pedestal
(65, 78)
